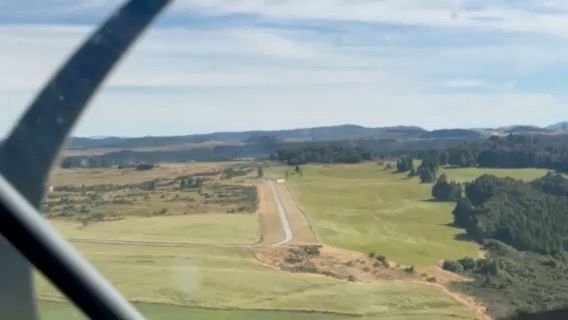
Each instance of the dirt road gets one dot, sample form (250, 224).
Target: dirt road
(282, 215)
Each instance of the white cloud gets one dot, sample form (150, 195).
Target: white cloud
(30, 54)
(429, 13)
(177, 58)
(206, 111)
(192, 79)
(533, 16)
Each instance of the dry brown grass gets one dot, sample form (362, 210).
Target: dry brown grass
(121, 192)
(96, 176)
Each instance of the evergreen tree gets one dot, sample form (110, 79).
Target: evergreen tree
(412, 172)
(446, 191)
(404, 164)
(428, 168)
(427, 175)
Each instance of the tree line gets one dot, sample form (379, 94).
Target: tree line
(528, 216)
(427, 170)
(523, 227)
(330, 153)
(512, 151)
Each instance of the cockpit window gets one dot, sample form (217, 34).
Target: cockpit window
(295, 160)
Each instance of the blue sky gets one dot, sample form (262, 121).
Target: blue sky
(216, 65)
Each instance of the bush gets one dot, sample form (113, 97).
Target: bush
(312, 250)
(467, 263)
(383, 260)
(145, 166)
(452, 266)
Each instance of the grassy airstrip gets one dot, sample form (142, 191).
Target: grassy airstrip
(365, 208)
(359, 207)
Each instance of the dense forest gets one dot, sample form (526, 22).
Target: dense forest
(126, 157)
(463, 150)
(528, 216)
(512, 151)
(333, 153)
(513, 283)
(353, 146)
(524, 228)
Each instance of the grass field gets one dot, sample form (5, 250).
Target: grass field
(469, 174)
(357, 207)
(58, 310)
(231, 278)
(194, 228)
(365, 208)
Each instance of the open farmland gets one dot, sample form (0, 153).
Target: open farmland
(230, 278)
(368, 209)
(208, 228)
(223, 263)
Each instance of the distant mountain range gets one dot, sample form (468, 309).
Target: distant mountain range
(316, 134)
(559, 126)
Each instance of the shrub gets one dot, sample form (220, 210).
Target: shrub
(409, 270)
(452, 266)
(145, 166)
(467, 263)
(312, 251)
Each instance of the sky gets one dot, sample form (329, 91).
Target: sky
(228, 65)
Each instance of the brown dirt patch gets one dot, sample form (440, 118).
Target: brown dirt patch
(357, 267)
(333, 262)
(270, 226)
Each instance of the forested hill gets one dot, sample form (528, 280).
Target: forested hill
(513, 151)
(345, 143)
(341, 132)
(314, 134)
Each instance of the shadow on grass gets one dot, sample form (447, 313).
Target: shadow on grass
(450, 224)
(464, 237)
